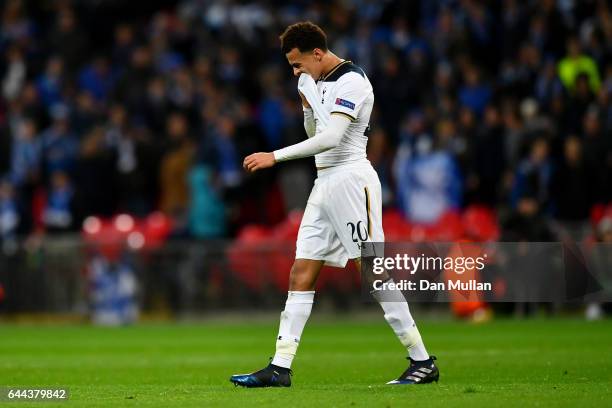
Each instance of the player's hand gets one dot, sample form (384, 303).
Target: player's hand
(304, 101)
(258, 161)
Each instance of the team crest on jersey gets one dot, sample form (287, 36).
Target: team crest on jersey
(345, 103)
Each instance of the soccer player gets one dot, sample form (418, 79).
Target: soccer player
(344, 208)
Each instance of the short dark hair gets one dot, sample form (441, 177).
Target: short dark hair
(305, 36)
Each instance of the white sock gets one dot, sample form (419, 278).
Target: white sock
(399, 318)
(292, 322)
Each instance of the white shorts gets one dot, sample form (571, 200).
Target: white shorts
(343, 210)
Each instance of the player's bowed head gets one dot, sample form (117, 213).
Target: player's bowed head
(305, 47)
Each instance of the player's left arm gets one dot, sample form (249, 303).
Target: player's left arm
(351, 92)
(325, 140)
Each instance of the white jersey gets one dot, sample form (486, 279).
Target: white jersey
(344, 90)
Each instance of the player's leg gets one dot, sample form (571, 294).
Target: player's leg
(315, 237)
(422, 368)
(357, 204)
(302, 280)
(300, 299)
(397, 314)
(303, 275)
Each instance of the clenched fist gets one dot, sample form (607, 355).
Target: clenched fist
(258, 161)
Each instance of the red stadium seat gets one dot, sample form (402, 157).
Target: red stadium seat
(599, 211)
(447, 229)
(289, 227)
(480, 223)
(156, 228)
(396, 227)
(254, 234)
(247, 256)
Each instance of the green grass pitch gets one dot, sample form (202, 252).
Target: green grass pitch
(341, 362)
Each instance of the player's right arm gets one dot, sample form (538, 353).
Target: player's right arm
(309, 122)
(325, 140)
(318, 143)
(305, 103)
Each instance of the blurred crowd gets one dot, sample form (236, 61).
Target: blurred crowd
(109, 108)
